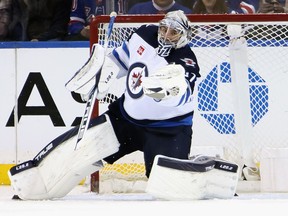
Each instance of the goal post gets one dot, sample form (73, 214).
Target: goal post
(241, 105)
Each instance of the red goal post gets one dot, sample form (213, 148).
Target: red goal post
(223, 122)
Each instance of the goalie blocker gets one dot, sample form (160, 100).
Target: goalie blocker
(99, 70)
(58, 168)
(202, 177)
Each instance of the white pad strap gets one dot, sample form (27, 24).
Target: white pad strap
(58, 168)
(204, 178)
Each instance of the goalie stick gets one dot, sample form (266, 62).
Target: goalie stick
(92, 95)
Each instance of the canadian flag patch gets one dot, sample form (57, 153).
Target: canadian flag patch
(140, 50)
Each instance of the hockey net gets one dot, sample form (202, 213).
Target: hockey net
(216, 130)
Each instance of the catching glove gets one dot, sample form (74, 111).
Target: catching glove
(165, 83)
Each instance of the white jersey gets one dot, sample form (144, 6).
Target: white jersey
(138, 58)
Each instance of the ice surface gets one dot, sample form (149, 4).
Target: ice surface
(81, 201)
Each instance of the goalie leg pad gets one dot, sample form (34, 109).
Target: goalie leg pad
(85, 78)
(55, 171)
(178, 179)
(32, 185)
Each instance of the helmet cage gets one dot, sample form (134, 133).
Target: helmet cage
(178, 31)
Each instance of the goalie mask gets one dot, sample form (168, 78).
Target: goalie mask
(173, 32)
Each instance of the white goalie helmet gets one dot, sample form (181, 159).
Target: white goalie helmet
(173, 30)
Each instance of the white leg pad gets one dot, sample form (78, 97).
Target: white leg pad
(32, 185)
(63, 167)
(177, 184)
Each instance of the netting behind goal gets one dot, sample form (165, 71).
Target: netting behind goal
(221, 118)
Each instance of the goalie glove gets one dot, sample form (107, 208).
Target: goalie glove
(167, 82)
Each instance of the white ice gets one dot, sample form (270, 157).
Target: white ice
(80, 201)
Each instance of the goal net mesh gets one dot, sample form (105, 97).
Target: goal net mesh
(214, 121)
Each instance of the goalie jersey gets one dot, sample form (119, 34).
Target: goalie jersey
(138, 58)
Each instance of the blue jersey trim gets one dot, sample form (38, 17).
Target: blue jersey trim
(116, 55)
(126, 50)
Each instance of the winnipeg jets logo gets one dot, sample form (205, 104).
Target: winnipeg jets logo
(189, 62)
(134, 79)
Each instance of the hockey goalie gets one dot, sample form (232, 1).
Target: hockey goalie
(154, 115)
